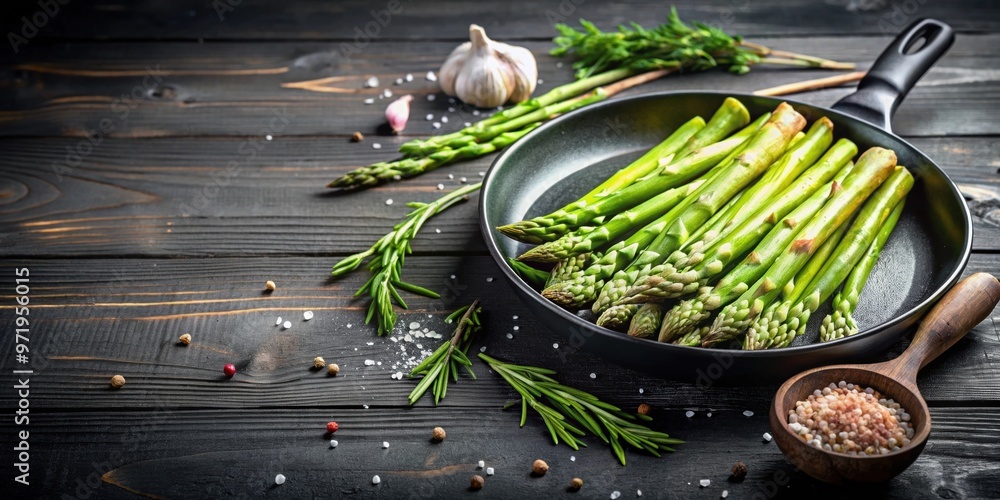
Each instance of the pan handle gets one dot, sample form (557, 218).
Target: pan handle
(895, 72)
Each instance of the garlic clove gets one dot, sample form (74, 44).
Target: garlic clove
(398, 112)
(452, 66)
(525, 71)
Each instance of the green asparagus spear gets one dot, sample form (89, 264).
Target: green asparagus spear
(766, 145)
(646, 321)
(841, 323)
(686, 276)
(617, 317)
(530, 274)
(566, 268)
(872, 169)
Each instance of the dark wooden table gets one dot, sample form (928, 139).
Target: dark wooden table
(138, 190)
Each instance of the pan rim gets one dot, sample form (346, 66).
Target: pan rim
(885, 327)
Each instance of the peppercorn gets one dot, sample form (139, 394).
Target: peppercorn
(185, 339)
(539, 467)
(333, 369)
(229, 369)
(644, 409)
(118, 381)
(476, 482)
(357, 137)
(332, 427)
(439, 434)
(319, 362)
(270, 286)
(739, 471)
(576, 483)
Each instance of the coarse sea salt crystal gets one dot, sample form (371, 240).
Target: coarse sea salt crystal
(376, 479)
(555, 345)
(709, 414)
(767, 437)
(387, 93)
(641, 390)
(481, 464)
(399, 81)
(431, 97)
(572, 458)
(376, 146)
(369, 362)
(593, 375)
(482, 349)
(444, 119)
(286, 325)
(308, 315)
(748, 413)
(436, 125)
(429, 117)
(689, 414)
(510, 335)
(278, 322)
(333, 443)
(279, 479)
(268, 137)
(725, 493)
(704, 483)
(369, 101)
(430, 76)
(615, 494)
(385, 444)
(414, 325)
(489, 279)
(372, 81)
(408, 77)
(638, 493)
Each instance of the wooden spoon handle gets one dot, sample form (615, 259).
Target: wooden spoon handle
(960, 310)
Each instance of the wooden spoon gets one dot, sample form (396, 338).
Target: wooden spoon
(961, 309)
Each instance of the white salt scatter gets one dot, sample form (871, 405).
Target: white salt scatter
(467, 124)
(399, 375)
(386, 93)
(376, 479)
(490, 278)
(641, 390)
(286, 325)
(444, 119)
(689, 414)
(279, 479)
(429, 117)
(376, 145)
(350, 325)
(436, 125)
(438, 231)
(555, 345)
(408, 337)
(489, 471)
(308, 315)
(431, 77)
(451, 176)
(540, 81)
(451, 109)
(399, 81)
(426, 329)
(558, 64)
(767, 437)
(725, 493)
(615, 494)
(364, 406)
(369, 362)
(463, 180)
(638, 493)
(408, 77)
(704, 483)
(593, 375)
(370, 100)
(482, 174)
(482, 349)
(510, 335)
(748, 413)
(572, 458)
(333, 443)
(372, 81)
(481, 464)
(378, 363)
(452, 276)
(370, 343)
(278, 322)
(419, 346)
(440, 187)
(385, 444)
(414, 325)
(268, 137)
(514, 317)
(475, 112)
(389, 201)
(516, 328)
(709, 414)
(431, 97)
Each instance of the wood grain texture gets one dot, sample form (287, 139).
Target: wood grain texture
(304, 20)
(179, 197)
(95, 318)
(236, 88)
(237, 453)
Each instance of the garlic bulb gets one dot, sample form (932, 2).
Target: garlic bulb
(488, 74)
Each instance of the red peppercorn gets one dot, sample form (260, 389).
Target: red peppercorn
(229, 370)
(332, 427)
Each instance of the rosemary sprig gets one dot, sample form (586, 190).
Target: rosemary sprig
(389, 252)
(443, 364)
(673, 45)
(604, 420)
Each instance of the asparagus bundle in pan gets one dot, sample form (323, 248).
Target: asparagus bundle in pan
(760, 225)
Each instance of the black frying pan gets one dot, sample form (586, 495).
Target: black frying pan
(925, 256)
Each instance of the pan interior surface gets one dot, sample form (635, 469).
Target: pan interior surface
(564, 160)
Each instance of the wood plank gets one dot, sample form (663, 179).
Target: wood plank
(67, 89)
(237, 453)
(177, 197)
(302, 20)
(95, 318)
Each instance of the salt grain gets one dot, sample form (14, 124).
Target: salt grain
(615, 494)
(451, 176)
(638, 493)
(444, 119)
(440, 187)
(376, 479)
(467, 124)
(438, 231)
(408, 77)
(369, 362)
(279, 479)
(436, 125)
(286, 325)
(593, 375)
(414, 325)
(514, 317)
(385, 445)
(489, 471)
(268, 137)
(431, 97)
(489, 279)
(704, 483)
(372, 81)
(689, 414)
(430, 76)
(451, 109)
(308, 315)
(277, 323)
(709, 414)
(555, 345)
(333, 443)
(482, 349)
(429, 117)
(389, 201)
(748, 413)
(572, 458)
(510, 335)
(387, 93)
(516, 328)
(641, 390)
(767, 437)
(369, 101)
(481, 464)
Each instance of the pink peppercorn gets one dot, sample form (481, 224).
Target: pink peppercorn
(332, 427)
(229, 369)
